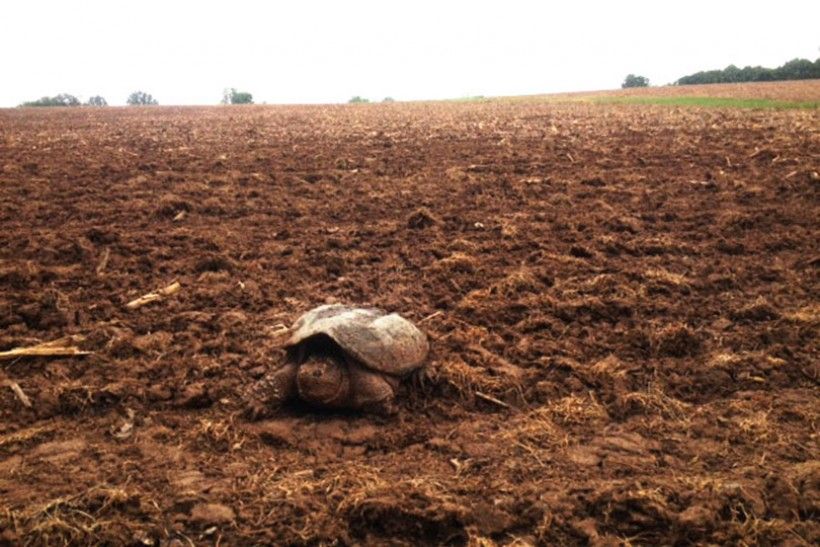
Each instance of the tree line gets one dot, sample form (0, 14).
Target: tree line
(796, 69)
(229, 96)
(66, 99)
(137, 98)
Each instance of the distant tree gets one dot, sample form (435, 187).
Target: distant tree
(42, 101)
(63, 99)
(797, 69)
(732, 74)
(232, 96)
(635, 81)
(141, 98)
(389, 100)
(358, 100)
(97, 100)
(66, 99)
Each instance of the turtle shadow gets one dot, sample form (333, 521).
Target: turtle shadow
(297, 409)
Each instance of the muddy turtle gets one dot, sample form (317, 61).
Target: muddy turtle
(339, 356)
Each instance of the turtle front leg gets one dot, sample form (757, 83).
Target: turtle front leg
(372, 392)
(276, 387)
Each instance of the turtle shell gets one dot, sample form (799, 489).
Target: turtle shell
(383, 342)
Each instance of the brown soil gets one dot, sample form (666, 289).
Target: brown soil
(805, 90)
(622, 303)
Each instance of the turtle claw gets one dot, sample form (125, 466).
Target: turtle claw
(386, 408)
(420, 379)
(266, 396)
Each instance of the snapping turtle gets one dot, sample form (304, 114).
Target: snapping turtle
(342, 357)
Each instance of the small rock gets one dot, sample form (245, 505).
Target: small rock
(212, 513)
(491, 519)
(257, 372)
(477, 449)
(583, 455)
(159, 392)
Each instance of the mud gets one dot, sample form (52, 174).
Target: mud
(621, 301)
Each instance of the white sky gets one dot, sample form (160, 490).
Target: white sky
(327, 51)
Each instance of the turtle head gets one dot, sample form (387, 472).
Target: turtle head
(324, 380)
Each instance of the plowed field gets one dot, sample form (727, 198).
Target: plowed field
(622, 303)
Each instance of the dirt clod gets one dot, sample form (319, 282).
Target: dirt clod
(422, 218)
(212, 513)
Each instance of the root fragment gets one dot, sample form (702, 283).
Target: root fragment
(55, 348)
(171, 289)
(491, 399)
(18, 391)
(103, 261)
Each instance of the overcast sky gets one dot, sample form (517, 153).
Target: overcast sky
(311, 51)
